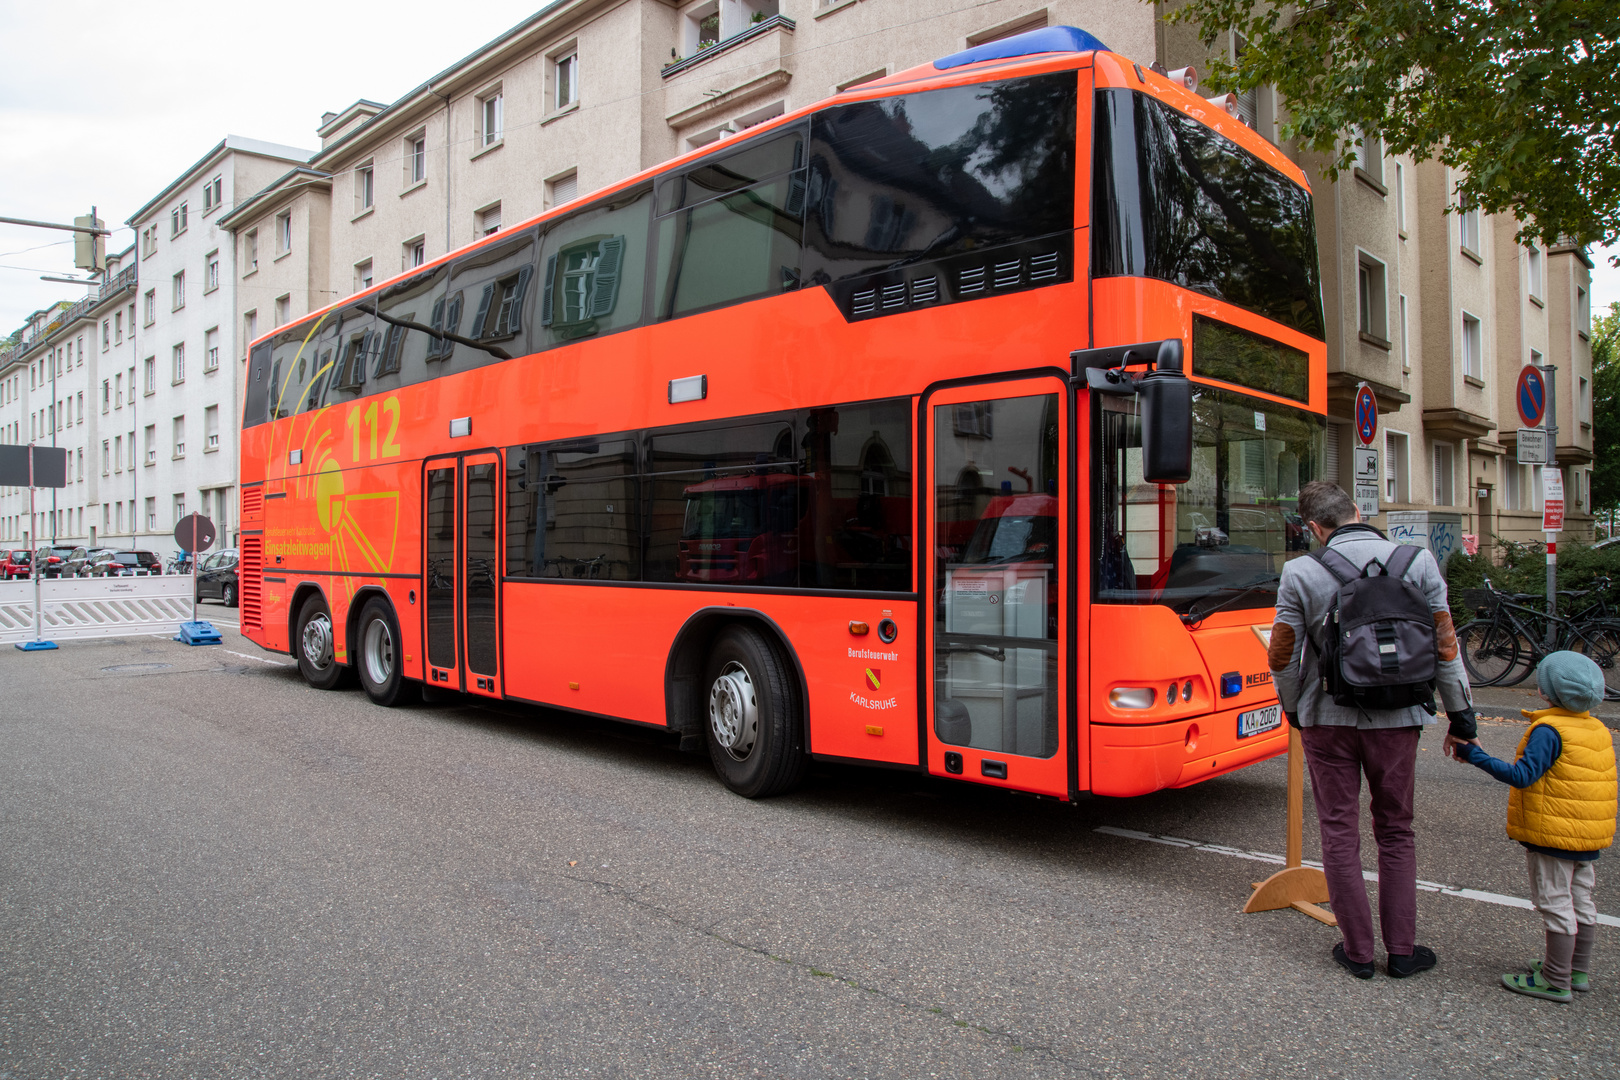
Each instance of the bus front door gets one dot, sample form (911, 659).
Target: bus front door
(461, 595)
(998, 525)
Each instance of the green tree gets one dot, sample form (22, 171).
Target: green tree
(1606, 410)
(1520, 95)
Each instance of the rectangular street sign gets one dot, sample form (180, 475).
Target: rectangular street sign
(1532, 446)
(1366, 480)
(50, 466)
(1552, 499)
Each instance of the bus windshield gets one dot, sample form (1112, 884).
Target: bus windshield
(1222, 537)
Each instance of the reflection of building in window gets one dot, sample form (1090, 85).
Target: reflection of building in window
(447, 320)
(582, 281)
(503, 302)
(877, 465)
(972, 419)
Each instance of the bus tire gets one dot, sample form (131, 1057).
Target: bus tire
(313, 642)
(377, 657)
(752, 720)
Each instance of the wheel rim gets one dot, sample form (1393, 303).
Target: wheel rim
(227, 595)
(734, 711)
(378, 652)
(318, 641)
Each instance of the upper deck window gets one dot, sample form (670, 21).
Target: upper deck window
(1177, 201)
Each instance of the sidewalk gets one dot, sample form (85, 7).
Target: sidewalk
(1505, 702)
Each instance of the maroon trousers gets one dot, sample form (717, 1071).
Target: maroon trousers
(1337, 757)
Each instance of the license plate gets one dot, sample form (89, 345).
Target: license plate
(1259, 721)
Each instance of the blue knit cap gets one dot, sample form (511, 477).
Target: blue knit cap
(1570, 681)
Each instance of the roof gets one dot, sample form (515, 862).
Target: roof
(238, 143)
(283, 183)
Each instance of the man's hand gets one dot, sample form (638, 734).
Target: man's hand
(1451, 742)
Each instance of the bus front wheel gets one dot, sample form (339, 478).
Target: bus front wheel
(314, 643)
(381, 674)
(753, 724)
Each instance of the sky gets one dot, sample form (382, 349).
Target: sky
(112, 101)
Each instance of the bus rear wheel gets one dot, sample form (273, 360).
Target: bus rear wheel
(378, 660)
(313, 642)
(753, 723)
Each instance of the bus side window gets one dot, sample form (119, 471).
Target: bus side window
(592, 270)
(405, 311)
(580, 510)
(256, 396)
(858, 523)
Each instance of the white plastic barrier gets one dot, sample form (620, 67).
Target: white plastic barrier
(77, 608)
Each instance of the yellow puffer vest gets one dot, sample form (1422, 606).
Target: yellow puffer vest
(1572, 807)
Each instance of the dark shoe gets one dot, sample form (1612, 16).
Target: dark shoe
(1360, 971)
(1422, 958)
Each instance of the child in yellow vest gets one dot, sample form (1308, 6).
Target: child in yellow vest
(1562, 809)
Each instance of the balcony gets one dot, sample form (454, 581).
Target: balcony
(750, 64)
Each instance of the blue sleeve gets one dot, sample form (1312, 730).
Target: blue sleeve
(1539, 754)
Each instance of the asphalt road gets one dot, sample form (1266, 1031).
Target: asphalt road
(209, 870)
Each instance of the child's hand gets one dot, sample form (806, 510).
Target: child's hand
(1451, 743)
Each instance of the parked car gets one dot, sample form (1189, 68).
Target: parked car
(127, 564)
(216, 576)
(91, 557)
(15, 563)
(59, 560)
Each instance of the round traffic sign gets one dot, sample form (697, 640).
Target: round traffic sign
(1531, 396)
(194, 533)
(1366, 415)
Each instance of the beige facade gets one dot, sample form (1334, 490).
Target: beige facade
(1436, 310)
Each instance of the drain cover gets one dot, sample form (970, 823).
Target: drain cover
(134, 669)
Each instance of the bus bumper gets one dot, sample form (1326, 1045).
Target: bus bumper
(1135, 759)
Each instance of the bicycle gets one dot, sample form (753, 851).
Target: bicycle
(1504, 646)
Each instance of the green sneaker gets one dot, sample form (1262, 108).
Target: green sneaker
(1579, 981)
(1535, 986)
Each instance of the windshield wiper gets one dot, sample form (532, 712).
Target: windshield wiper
(1193, 618)
(442, 335)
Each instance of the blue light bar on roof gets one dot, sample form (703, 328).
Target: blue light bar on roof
(1047, 40)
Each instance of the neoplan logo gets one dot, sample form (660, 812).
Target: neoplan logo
(1258, 679)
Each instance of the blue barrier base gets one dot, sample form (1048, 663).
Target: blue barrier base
(200, 632)
(35, 646)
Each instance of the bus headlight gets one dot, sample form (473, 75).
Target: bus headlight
(1132, 697)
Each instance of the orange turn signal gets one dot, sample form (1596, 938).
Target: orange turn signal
(573, 686)
(858, 628)
(873, 729)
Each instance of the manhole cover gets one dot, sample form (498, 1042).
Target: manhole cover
(133, 669)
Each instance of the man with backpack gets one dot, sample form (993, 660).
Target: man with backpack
(1361, 647)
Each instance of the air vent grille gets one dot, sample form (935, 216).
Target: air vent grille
(250, 579)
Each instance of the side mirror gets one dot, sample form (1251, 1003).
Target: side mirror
(1166, 410)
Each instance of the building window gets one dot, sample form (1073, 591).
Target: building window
(211, 193)
(1583, 313)
(364, 192)
(1473, 347)
(489, 220)
(211, 428)
(179, 509)
(1512, 485)
(106, 458)
(284, 232)
(562, 189)
(415, 158)
(106, 396)
(118, 327)
(1400, 198)
(211, 350)
(80, 456)
(1372, 304)
(180, 438)
(565, 75)
(362, 275)
(1443, 457)
(118, 387)
(250, 329)
(177, 220)
(148, 241)
(1583, 402)
(250, 253)
(492, 123)
(1533, 260)
(211, 272)
(151, 375)
(106, 334)
(1406, 348)
(151, 306)
(1396, 466)
(1468, 226)
(414, 254)
(283, 310)
(180, 363)
(151, 445)
(1369, 151)
(179, 290)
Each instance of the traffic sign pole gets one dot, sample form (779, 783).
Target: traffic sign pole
(1550, 374)
(1364, 481)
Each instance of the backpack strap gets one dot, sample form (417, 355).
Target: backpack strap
(1401, 559)
(1337, 565)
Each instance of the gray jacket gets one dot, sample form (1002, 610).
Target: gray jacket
(1303, 598)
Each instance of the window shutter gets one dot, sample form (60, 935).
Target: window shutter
(797, 187)
(545, 295)
(452, 320)
(478, 330)
(605, 288)
(514, 319)
(436, 347)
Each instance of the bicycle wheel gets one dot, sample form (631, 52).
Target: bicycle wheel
(1490, 651)
(1601, 643)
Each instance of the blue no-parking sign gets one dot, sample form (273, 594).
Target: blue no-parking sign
(1366, 415)
(1531, 396)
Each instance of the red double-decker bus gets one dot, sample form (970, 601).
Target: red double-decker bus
(952, 424)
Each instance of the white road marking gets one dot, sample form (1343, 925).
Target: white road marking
(1371, 875)
(260, 659)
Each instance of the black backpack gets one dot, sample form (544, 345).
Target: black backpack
(1378, 648)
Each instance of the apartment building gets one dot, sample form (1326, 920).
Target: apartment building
(193, 306)
(1433, 305)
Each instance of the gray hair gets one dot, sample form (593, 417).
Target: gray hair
(1326, 503)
